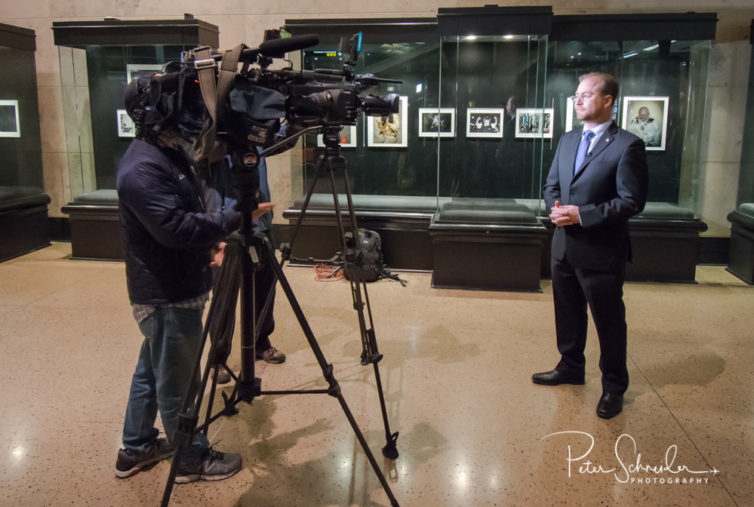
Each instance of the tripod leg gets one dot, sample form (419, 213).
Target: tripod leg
(287, 250)
(350, 263)
(370, 353)
(327, 370)
(390, 450)
(192, 401)
(249, 386)
(189, 416)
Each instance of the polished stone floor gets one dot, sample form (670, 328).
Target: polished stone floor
(474, 430)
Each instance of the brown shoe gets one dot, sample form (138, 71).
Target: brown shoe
(223, 375)
(271, 355)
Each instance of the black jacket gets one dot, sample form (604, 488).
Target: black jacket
(610, 187)
(167, 233)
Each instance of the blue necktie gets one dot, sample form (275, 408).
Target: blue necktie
(586, 139)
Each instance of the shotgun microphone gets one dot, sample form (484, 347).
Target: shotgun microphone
(276, 48)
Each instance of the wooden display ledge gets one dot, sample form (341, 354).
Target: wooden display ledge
(95, 226)
(488, 244)
(23, 221)
(402, 222)
(741, 252)
(664, 243)
(415, 235)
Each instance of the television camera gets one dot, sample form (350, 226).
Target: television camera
(257, 106)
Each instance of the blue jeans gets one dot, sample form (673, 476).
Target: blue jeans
(172, 337)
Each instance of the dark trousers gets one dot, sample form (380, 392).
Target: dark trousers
(264, 284)
(573, 289)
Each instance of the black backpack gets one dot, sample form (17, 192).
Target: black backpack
(367, 254)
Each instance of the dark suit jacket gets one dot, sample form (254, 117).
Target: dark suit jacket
(609, 188)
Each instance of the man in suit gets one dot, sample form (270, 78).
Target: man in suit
(597, 181)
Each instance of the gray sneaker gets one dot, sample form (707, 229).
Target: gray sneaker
(215, 466)
(131, 463)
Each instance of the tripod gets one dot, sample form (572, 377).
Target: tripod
(245, 253)
(333, 162)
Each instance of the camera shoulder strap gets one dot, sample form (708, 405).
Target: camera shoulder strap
(215, 89)
(205, 74)
(228, 70)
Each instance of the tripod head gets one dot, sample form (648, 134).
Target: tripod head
(331, 139)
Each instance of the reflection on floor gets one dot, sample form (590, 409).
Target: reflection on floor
(474, 430)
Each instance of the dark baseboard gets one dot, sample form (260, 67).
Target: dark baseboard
(281, 233)
(59, 229)
(713, 250)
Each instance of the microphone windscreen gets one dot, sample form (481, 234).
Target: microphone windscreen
(276, 48)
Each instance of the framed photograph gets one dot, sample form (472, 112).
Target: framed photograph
(437, 122)
(126, 127)
(534, 122)
(548, 118)
(390, 131)
(572, 122)
(9, 125)
(347, 137)
(134, 70)
(484, 122)
(647, 117)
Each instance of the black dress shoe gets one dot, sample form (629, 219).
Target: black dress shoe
(556, 377)
(610, 405)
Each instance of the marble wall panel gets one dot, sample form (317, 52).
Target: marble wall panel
(725, 132)
(56, 181)
(51, 125)
(718, 198)
(279, 179)
(24, 9)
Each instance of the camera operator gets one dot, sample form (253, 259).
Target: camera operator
(168, 236)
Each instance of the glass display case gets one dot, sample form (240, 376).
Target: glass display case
(97, 60)
(458, 171)
(661, 63)
(383, 158)
(23, 204)
(430, 148)
(492, 75)
(746, 180)
(662, 99)
(430, 162)
(741, 247)
(492, 87)
(484, 103)
(107, 69)
(391, 173)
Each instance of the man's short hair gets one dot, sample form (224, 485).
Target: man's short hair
(608, 84)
